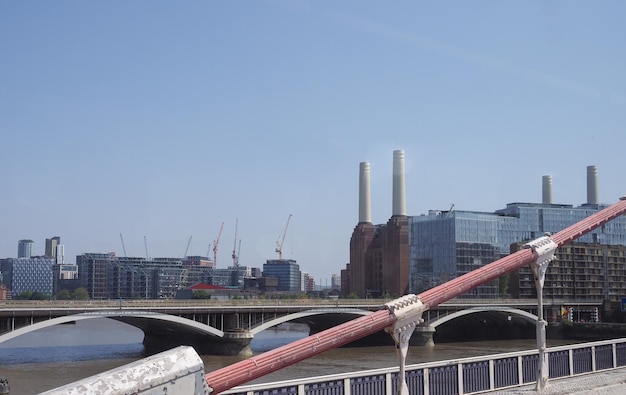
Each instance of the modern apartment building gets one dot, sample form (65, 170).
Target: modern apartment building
(287, 271)
(51, 246)
(106, 276)
(581, 271)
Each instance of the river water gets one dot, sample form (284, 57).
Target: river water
(54, 356)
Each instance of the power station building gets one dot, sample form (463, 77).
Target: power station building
(410, 254)
(379, 254)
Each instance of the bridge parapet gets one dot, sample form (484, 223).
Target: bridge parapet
(176, 371)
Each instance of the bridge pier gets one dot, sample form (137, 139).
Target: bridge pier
(234, 343)
(423, 336)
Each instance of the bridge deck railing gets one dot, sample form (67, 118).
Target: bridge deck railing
(460, 376)
(164, 303)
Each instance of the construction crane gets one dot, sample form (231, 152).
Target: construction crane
(187, 249)
(145, 243)
(123, 246)
(280, 241)
(238, 251)
(235, 246)
(215, 243)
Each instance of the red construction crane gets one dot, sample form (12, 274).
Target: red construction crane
(279, 242)
(215, 243)
(400, 317)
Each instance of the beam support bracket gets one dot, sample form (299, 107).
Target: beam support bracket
(544, 249)
(408, 313)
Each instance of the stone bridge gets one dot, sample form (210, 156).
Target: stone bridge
(228, 327)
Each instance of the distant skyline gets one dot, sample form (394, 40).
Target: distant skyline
(164, 119)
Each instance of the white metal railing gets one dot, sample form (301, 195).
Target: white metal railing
(460, 376)
(160, 303)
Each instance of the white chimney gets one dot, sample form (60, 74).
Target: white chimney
(546, 191)
(592, 185)
(365, 206)
(399, 204)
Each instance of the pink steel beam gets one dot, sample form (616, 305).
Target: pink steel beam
(268, 362)
(255, 367)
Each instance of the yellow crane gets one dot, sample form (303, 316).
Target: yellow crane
(280, 241)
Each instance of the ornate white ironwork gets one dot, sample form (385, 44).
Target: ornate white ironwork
(544, 247)
(408, 312)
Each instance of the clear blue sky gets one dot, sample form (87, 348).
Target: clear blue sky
(165, 119)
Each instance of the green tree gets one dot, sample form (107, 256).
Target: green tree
(24, 295)
(39, 296)
(63, 294)
(201, 294)
(80, 294)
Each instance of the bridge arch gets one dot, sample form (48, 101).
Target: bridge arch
(134, 318)
(346, 315)
(530, 317)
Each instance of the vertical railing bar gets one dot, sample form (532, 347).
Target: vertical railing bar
(492, 376)
(593, 358)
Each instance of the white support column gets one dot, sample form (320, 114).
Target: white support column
(544, 249)
(408, 312)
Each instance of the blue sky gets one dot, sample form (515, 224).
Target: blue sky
(165, 119)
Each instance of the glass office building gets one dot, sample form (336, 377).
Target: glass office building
(28, 275)
(447, 244)
(287, 271)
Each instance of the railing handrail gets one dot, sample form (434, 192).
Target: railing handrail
(28, 304)
(252, 388)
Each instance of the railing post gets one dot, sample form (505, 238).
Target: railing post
(347, 389)
(426, 381)
(459, 376)
(543, 248)
(492, 375)
(593, 359)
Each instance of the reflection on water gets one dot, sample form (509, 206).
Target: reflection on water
(54, 356)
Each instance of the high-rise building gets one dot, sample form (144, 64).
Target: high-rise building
(93, 272)
(51, 246)
(287, 271)
(335, 281)
(25, 248)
